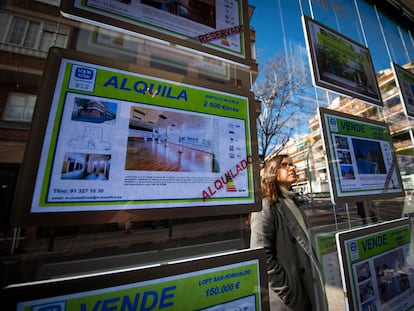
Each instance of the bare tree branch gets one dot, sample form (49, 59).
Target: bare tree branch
(280, 110)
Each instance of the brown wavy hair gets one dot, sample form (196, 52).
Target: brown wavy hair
(269, 184)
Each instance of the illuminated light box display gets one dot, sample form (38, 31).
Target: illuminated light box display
(340, 64)
(216, 27)
(232, 281)
(404, 79)
(122, 140)
(360, 157)
(373, 265)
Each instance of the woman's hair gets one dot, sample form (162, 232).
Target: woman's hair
(270, 187)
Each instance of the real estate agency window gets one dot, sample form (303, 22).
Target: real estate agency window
(31, 34)
(19, 107)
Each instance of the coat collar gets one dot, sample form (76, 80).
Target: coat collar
(296, 230)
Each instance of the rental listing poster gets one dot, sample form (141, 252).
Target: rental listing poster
(122, 140)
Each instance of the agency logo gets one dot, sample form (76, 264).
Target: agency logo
(55, 306)
(353, 249)
(84, 73)
(82, 78)
(333, 124)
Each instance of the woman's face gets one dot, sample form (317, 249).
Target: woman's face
(286, 173)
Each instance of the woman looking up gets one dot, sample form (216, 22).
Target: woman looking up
(295, 282)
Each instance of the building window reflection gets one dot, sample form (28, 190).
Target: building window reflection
(30, 34)
(19, 107)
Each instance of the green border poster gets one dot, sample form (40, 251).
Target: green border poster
(102, 120)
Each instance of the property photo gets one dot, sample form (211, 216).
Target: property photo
(341, 64)
(93, 111)
(203, 12)
(165, 140)
(85, 166)
(369, 157)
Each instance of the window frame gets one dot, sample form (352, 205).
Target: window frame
(29, 99)
(43, 28)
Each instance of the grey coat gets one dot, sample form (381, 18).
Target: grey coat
(289, 257)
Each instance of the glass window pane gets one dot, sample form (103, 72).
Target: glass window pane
(17, 31)
(373, 33)
(397, 50)
(19, 107)
(14, 108)
(31, 35)
(13, 112)
(4, 19)
(30, 103)
(46, 41)
(27, 115)
(61, 40)
(409, 44)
